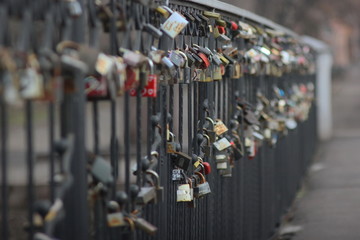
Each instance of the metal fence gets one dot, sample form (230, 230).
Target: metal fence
(150, 121)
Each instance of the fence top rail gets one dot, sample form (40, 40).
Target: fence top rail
(226, 7)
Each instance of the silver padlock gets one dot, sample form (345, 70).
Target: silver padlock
(146, 195)
(202, 188)
(145, 226)
(159, 190)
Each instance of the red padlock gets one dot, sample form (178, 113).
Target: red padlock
(234, 26)
(150, 90)
(132, 78)
(221, 29)
(207, 168)
(206, 63)
(96, 87)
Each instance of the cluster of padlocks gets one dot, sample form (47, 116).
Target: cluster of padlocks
(153, 46)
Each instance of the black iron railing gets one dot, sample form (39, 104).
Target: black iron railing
(150, 121)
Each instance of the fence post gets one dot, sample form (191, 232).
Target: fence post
(323, 85)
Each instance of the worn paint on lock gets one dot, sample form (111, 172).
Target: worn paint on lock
(183, 193)
(220, 128)
(115, 219)
(174, 24)
(222, 144)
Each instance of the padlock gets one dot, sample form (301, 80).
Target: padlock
(205, 61)
(220, 127)
(170, 66)
(74, 8)
(202, 188)
(133, 59)
(146, 195)
(222, 144)
(221, 29)
(227, 172)
(207, 168)
(119, 74)
(157, 55)
(31, 84)
(250, 147)
(212, 14)
(159, 190)
(221, 160)
(148, 87)
(183, 193)
(237, 71)
(145, 226)
(96, 87)
(210, 130)
(184, 70)
(181, 160)
(174, 24)
(101, 170)
(171, 144)
(208, 74)
(192, 203)
(115, 219)
(154, 31)
(104, 64)
(208, 147)
(237, 146)
(176, 58)
(250, 117)
(220, 22)
(132, 78)
(164, 12)
(196, 161)
(223, 38)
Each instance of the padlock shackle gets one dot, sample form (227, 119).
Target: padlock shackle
(208, 139)
(154, 175)
(130, 223)
(211, 121)
(203, 180)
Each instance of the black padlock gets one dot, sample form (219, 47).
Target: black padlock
(181, 160)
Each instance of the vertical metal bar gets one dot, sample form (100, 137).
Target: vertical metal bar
(95, 108)
(4, 176)
(30, 165)
(127, 142)
(138, 138)
(51, 110)
(114, 145)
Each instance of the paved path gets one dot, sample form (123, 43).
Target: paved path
(330, 208)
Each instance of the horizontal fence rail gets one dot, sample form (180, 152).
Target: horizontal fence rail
(150, 120)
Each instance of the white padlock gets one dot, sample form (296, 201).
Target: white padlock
(174, 24)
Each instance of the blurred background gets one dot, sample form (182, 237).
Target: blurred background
(334, 22)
